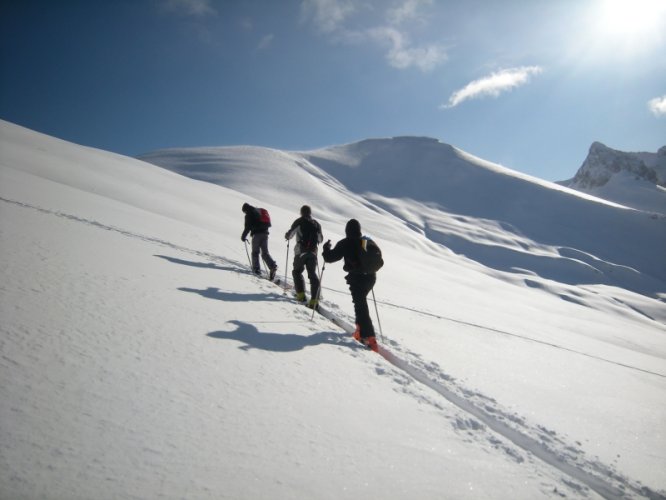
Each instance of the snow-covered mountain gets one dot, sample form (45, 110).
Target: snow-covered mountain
(636, 180)
(523, 330)
(504, 220)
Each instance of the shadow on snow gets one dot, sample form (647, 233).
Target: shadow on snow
(202, 265)
(248, 334)
(217, 294)
(252, 338)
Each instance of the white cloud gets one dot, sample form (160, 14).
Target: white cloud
(198, 8)
(326, 15)
(658, 106)
(266, 42)
(493, 85)
(408, 10)
(402, 55)
(332, 17)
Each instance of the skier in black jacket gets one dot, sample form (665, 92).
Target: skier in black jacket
(259, 232)
(360, 284)
(308, 236)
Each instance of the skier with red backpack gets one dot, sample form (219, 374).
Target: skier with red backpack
(308, 236)
(257, 222)
(363, 259)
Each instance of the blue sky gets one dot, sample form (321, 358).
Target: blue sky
(529, 84)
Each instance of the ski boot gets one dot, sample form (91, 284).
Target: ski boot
(313, 304)
(357, 333)
(370, 343)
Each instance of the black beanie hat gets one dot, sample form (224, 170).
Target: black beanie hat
(353, 229)
(246, 207)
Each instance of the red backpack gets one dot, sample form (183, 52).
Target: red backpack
(264, 217)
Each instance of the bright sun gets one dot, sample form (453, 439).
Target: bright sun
(631, 21)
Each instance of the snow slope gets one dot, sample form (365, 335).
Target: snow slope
(139, 359)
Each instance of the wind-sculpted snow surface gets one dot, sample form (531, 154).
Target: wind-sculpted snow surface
(482, 420)
(527, 215)
(141, 359)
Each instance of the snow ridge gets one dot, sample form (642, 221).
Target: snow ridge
(446, 195)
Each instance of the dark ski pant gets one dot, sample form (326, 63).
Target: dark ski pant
(306, 260)
(260, 243)
(360, 286)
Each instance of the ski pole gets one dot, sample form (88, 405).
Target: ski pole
(248, 255)
(286, 266)
(321, 280)
(379, 323)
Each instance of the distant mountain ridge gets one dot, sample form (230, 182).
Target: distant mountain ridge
(636, 180)
(505, 220)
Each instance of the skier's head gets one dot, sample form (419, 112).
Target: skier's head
(246, 207)
(353, 229)
(306, 211)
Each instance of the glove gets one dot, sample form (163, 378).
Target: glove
(243, 239)
(286, 235)
(327, 245)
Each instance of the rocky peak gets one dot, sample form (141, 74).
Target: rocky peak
(603, 162)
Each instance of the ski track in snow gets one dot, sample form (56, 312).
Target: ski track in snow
(537, 441)
(523, 337)
(511, 334)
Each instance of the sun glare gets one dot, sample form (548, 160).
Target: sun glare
(631, 21)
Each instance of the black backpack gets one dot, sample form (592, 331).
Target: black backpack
(370, 256)
(309, 235)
